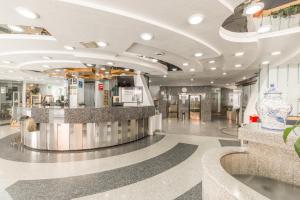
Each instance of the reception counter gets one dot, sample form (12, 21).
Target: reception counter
(83, 128)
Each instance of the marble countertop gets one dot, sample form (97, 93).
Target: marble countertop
(212, 167)
(88, 115)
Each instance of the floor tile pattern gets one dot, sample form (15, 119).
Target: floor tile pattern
(193, 194)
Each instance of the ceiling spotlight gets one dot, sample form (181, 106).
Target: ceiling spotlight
(264, 29)
(275, 53)
(198, 54)
(227, 84)
(89, 65)
(11, 71)
(27, 13)
(211, 62)
(192, 70)
(6, 62)
(102, 68)
(238, 65)
(254, 7)
(110, 63)
(46, 66)
(213, 68)
(102, 44)
(47, 58)
(150, 81)
(69, 48)
(185, 64)
(265, 62)
(165, 76)
(154, 60)
(237, 54)
(146, 36)
(195, 19)
(57, 70)
(224, 73)
(192, 79)
(244, 78)
(127, 69)
(15, 28)
(212, 82)
(174, 69)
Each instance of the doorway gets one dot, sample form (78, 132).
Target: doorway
(195, 107)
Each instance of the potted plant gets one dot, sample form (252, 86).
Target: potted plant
(287, 132)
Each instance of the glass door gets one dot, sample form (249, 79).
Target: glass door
(195, 107)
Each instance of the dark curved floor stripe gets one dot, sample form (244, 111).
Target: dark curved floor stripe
(79, 186)
(193, 194)
(10, 149)
(229, 143)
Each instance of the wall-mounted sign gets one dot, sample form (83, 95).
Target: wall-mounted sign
(3, 90)
(100, 86)
(132, 94)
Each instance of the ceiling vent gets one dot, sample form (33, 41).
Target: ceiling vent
(89, 45)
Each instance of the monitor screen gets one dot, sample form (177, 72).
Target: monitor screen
(125, 81)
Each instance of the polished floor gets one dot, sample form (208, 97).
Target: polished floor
(166, 166)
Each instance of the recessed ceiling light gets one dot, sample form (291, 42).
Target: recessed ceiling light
(11, 71)
(15, 28)
(237, 54)
(102, 44)
(192, 70)
(46, 66)
(110, 63)
(192, 79)
(150, 80)
(165, 76)
(195, 19)
(264, 29)
(146, 36)
(224, 73)
(185, 64)
(238, 65)
(244, 78)
(6, 62)
(57, 70)
(265, 62)
(275, 53)
(127, 69)
(69, 47)
(198, 54)
(213, 68)
(89, 65)
(174, 69)
(47, 58)
(227, 84)
(102, 68)
(254, 7)
(25, 12)
(212, 82)
(154, 60)
(211, 62)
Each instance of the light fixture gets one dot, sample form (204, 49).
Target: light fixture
(224, 73)
(25, 12)
(244, 78)
(254, 7)
(146, 36)
(174, 69)
(238, 65)
(102, 68)
(102, 44)
(154, 60)
(127, 69)
(15, 28)
(165, 76)
(238, 54)
(198, 54)
(275, 53)
(213, 68)
(264, 29)
(11, 71)
(192, 69)
(46, 66)
(212, 82)
(185, 64)
(195, 19)
(150, 80)
(107, 72)
(69, 47)
(192, 79)
(89, 65)
(6, 62)
(57, 70)
(265, 62)
(227, 84)
(110, 63)
(47, 58)
(211, 62)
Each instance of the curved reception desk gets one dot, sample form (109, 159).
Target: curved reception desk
(83, 128)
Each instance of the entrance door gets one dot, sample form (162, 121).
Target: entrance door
(195, 107)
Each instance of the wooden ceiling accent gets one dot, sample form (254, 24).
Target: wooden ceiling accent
(268, 12)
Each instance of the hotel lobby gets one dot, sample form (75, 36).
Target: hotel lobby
(150, 100)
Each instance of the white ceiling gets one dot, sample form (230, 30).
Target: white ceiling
(120, 23)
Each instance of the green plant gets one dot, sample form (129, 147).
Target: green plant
(287, 132)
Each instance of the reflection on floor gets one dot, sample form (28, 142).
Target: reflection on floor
(273, 189)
